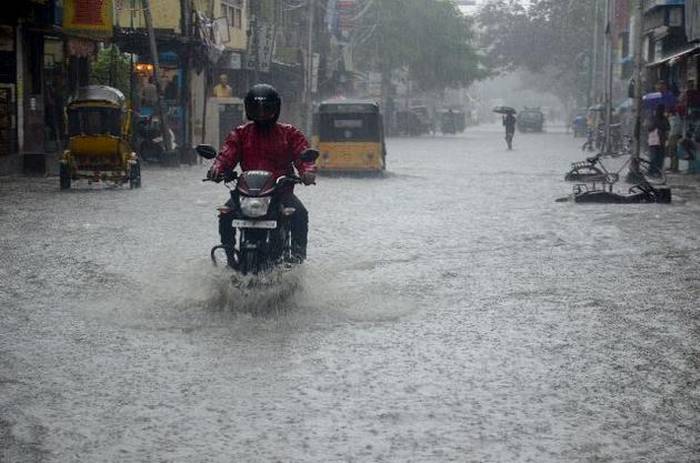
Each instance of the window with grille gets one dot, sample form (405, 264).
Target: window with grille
(233, 11)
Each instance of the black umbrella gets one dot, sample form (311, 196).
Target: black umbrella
(504, 110)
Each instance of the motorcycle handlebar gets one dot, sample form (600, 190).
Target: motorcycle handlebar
(226, 178)
(295, 179)
(289, 179)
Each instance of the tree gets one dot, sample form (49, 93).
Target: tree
(111, 67)
(550, 38)
(432, 38)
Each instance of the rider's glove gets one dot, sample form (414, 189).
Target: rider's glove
(308, 178)
(213, 174)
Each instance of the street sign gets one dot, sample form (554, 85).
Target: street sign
(261, 45)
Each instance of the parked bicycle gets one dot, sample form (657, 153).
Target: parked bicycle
(596, 139)
(593, 169)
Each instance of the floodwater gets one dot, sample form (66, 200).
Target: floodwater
(452, 311)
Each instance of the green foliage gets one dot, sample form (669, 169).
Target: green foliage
(432, 38)
(111, 67)
(550, 38)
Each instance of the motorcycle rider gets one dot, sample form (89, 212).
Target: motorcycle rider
(265, 144)
(509, 124)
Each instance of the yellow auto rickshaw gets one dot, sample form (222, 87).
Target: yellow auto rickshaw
(350, 136)
(99, 146)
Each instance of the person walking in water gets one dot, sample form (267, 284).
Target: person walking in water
(657, 137)
(509, 124)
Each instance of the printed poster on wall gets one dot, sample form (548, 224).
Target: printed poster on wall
(88, 18)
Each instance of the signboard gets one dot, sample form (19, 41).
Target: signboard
(341, 16)
(692, 20)
(261, 44)
(7, 38)
(80, 48)
(346, 11)
(233, 61)
(221, 31)
(88, 18)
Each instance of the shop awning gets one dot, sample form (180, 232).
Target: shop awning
(675, 56)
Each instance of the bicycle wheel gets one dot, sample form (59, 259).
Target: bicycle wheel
(652, 174)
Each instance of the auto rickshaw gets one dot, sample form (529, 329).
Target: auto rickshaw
(99, 146)
(452, 121)
(350, 136)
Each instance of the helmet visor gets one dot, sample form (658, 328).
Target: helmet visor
(261, 110)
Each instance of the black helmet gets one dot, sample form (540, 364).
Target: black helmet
(263, 104)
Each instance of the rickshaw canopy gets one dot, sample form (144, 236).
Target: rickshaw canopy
(348, 106)
(350, 136)
(349, 120)
(103, 94)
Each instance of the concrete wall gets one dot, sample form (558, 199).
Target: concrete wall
(238, 37)
(166, 15)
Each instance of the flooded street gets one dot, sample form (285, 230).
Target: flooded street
(452, 311)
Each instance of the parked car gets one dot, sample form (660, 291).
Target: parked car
(531, 120)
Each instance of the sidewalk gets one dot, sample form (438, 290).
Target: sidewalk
(682, 182)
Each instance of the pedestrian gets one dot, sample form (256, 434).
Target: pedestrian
(690, 99)
(657, 136)
(687, 150)
(149, 94)
(509, 123)
(674, 135)
(668, 99)
(171, 89)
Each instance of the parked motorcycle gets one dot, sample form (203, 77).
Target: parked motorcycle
(149, 141)
(264, 239)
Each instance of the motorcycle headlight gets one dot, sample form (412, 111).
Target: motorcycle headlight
(255, 207)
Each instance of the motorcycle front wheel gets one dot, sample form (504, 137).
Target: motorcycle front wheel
(249, 263)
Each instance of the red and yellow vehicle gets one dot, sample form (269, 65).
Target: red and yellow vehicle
(99, 148)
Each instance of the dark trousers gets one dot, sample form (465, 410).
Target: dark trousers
(299, 224)
(656, 157)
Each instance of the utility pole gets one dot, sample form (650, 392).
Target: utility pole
(156, 70)
(310, 66)
(184, 83)
(608, 75)
(255, 37)
(638, 67)
(594, 65)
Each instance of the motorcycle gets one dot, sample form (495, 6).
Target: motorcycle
(150, 143)
(264, 239)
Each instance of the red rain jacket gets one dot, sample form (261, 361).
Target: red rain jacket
(272, 149)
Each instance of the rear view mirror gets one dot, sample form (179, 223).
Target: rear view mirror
(206, 151)
(310, 155)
